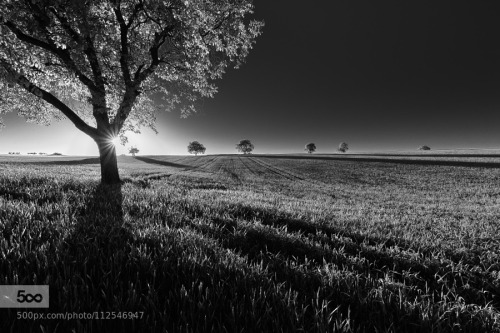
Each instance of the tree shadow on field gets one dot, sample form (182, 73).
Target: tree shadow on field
(164, 163)
(94, 160)
(99, 225)
(88, 276)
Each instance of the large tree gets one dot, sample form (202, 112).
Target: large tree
(109, 65)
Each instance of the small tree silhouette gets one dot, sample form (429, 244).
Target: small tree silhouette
(133, 151)
(343, 147)
(310, 148)
(245, 146)
(196, 148)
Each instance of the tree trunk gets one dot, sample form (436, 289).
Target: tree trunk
(109, 164)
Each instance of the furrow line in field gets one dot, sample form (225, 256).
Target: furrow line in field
(309, 181)
(219, 171)
(292, 176)
(266, 169)
(246, 166)
(227, 171)
(203, 166)
(279, 171)
(231, 170)
(287, 172)
(256, 167)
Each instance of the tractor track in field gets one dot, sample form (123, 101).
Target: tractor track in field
(222, 169)
(245, 164)
(204, 164)
(327, 188)
(230, 169)
(240, 169)
(278, 171)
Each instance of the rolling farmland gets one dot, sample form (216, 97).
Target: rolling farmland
(254, 243)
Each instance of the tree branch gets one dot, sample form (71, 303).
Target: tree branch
(49, 98)
(138, 71)
(125, 108)
(124, 54)
(65, 24)
(64, 55)
(132, 17)
(216, 26)
(149, 16)
(153, 51)
(94, 65)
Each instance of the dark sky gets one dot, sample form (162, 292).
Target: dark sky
(380, 75)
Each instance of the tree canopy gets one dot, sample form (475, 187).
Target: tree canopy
(245, 146)
(109, 65)
(310, 148)
(196, 148)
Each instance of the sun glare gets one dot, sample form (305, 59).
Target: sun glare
(115, 141)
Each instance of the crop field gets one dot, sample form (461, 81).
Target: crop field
(256, 243)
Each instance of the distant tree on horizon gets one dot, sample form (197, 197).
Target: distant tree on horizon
(343, 147)
(424, 147)
(133, 151)
(245, 146)
(310, 148)
(196, 148)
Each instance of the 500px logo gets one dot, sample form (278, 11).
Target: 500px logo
(21, 297)
(24, 296)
